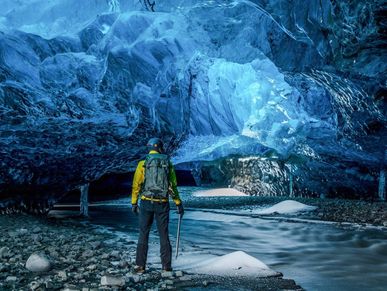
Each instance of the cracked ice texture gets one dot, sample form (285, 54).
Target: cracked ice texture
(85, 83)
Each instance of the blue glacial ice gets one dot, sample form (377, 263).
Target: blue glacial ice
(83, 85)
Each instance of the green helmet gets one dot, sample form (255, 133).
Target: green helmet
(156, 144)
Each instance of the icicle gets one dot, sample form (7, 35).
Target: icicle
(114, 5)
(84, 209)
(196, 173)
(382, 179)
(382, 185)
(291, 194)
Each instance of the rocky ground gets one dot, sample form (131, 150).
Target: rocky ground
(354, 211)
(38, 253)
(338, 210)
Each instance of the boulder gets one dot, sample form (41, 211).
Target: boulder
(38, 263)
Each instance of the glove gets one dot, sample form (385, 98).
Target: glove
(135, 209)
(180, 209)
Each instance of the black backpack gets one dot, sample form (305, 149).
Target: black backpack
(156, 182)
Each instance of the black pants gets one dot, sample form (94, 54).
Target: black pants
(148, 211)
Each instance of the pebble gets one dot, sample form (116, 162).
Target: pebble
(168, 282)
(70, 287)
(167, 274)
(91, 267)
(38, 263)
(62, 275)
(49, 285)
(4, 251)
(179, 273)
(186, 278)
(11, 279)
(115, 254)
(87, 254)
(12, 234)
(35, 285)
(37, 229)
(22, 231)
(96, 244)
(112, 281)
(134, 278)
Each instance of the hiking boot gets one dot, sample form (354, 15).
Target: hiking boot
(166, 269)
(139, 269)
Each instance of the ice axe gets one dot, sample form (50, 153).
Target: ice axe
(178, 236)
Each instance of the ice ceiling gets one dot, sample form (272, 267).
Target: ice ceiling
(83, 85)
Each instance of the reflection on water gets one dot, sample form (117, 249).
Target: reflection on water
(316, 256)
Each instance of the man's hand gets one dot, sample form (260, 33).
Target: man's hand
(180, 209)
(135, 209)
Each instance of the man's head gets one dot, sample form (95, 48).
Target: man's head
(155, 144)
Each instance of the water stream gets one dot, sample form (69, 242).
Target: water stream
(317, 256)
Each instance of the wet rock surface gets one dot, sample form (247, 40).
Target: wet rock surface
(340, 210)
(83, 258)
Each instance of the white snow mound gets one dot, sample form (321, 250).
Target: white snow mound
(287, 207)
(218, 192)
(234, 264)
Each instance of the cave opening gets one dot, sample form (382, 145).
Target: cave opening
(118, 185)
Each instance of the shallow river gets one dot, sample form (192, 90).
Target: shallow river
(317, 256)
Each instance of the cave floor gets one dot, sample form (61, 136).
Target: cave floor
(82, 253)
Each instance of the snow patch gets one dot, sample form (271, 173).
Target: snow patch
(286, 207)
(234, 264)
(218, 192)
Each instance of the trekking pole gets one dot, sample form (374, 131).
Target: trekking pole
(178, 236)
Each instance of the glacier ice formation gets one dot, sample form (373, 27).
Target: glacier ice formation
(294, 88)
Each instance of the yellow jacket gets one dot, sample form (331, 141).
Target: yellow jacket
(139, 177)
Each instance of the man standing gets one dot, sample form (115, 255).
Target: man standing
(154, 180)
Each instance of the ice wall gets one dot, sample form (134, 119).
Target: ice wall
(83, 85)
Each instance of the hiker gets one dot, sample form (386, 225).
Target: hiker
(154, 180)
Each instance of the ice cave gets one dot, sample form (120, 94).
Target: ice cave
(257, 102)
